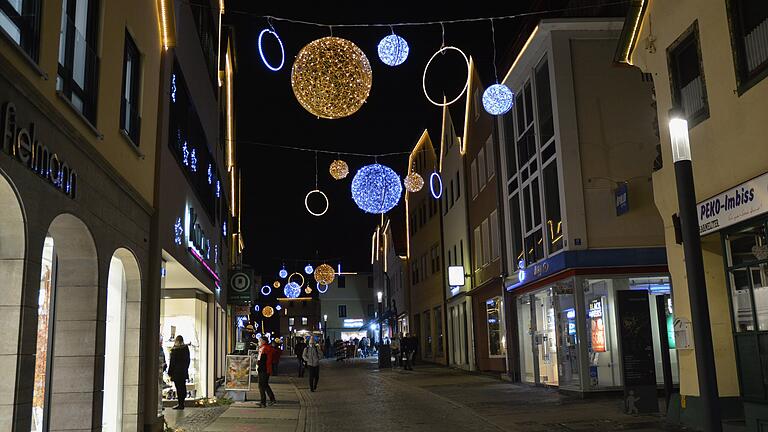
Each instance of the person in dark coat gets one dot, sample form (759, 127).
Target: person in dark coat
(299, 350)
(178, 369)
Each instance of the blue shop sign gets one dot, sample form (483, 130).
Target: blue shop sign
(622, 199)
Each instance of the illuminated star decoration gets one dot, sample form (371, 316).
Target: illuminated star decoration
(218, 189)
(210, 174)
(185, 154)
(292, 290)
(393, 50)
(331, 77)
(498, 99)
(278, 307)
(173, 88)
(178, 231)
(193, 160)
(376, 189)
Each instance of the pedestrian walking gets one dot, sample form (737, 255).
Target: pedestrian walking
(299, 349)
(396, 349)
(178, 370)
(266, 352)
(312, 356)
(407, 348)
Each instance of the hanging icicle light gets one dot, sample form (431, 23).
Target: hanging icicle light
(498, 99)
(413, 182)
(339, 169)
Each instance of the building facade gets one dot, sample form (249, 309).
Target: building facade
(77, 174)
(389, 278)
(708, 61)
(349, 306)
(423, 221)
(582, 232)
(455, 240)
(195, 237)
(486, 244)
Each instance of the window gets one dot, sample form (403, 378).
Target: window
(342, 311)
(435, 258)
(438, 312)
(486, 242)
(554, 226)
(427, 334)
(130, 122)
(20, 20)
(291, 320)
(749, 35)
(481, 171)
(78, 65)
(496, 341)
(207, 32)
(490, 158)
(304, 321)
(544, 104)
(473, 178)
(495, 239)
(689, 93)
(424, 266)
(516, 228)
(342, 283)
(477, 248)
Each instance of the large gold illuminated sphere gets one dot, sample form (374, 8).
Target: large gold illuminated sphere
(338, 169)
(267, 311)
(331, 77)
(413, 182)
(324, 274)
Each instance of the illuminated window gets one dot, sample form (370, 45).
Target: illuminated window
(304, 320)
(78, 64)
(20, 19)
(496, 344)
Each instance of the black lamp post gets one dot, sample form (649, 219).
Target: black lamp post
(694, 267)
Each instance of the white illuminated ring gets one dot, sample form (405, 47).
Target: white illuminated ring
(299, 274)
(432, 185)
(322, 291)
(261, 52)
(306, 202)
(424, 77)
(266, 291)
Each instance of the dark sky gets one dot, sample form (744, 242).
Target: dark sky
(277, 227)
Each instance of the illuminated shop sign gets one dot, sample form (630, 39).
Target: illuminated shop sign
(23, 145)
(745, 201)
(353, 323)
(597, 325)
(197, 243)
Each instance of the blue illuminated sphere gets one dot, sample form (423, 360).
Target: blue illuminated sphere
(376, 189)
(393, 50)
(498, 99)
(283, 273)
(308, 269)
(292, 290)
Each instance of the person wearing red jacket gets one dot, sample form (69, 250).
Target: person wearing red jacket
(265, 359)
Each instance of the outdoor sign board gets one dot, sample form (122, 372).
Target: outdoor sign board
(238, 373)
(735, 205)
(597, 325)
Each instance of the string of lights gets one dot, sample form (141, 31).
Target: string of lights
(330, 152)
(423, 23)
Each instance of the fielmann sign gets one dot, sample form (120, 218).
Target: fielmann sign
(735, 205)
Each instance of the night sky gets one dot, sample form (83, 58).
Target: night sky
(276, 226)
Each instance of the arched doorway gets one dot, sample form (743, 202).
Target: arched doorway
(12, 248)
(121, 347)
(69, 404)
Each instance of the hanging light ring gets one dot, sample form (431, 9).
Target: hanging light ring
(299, 275)
(324, 290)
(266, 290)
(261, 51)
(443, 50)
(306, 202)
(436, 194)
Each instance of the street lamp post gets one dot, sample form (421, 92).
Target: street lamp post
(694, 267)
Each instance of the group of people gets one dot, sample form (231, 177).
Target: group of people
(404, 348)
(353, 348)
(308, 357)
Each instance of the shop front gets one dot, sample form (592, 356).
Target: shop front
(460, 333)
(569, 324)
(736, 219)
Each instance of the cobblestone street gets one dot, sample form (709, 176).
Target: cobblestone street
(356, 395)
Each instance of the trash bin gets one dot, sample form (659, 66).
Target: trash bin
(385, 356)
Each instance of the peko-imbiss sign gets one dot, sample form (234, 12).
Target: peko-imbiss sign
(735, 205)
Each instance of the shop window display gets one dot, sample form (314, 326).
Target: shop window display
(188, 318)
(496, 339)
(601, 337)
(40, 395)
(569, 375)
